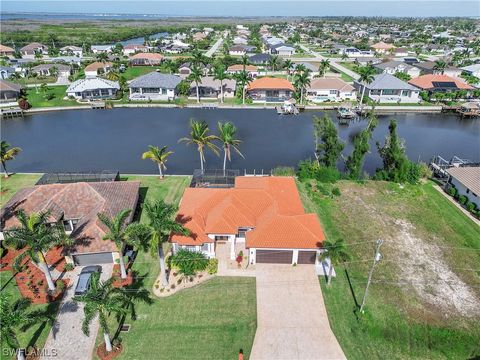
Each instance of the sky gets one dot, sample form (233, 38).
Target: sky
(404, 8)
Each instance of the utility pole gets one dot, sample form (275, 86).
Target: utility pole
(376, 259)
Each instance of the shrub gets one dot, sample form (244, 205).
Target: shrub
(462, 199)
(471, 206)
(452, 191)
(283, 171)
(40, 282)
(212, 266)
(69, 267)
(307, 170)
(189, 262)
(425, 171)
(336, 191)
(327, 175)
(49, 96)
(59, 285)
(24, 104)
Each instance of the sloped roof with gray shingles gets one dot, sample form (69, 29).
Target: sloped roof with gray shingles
(9, 86)
(92, 84)
(156, 80)
(392, 64)
(387, 81)
(469, 176)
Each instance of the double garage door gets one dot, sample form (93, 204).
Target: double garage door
(93, 259)
(285, 256)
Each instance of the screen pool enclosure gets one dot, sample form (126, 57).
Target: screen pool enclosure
(214, 178)
(72, 177)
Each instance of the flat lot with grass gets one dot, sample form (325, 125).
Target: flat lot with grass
(9, 186)
(37, 98)
(423, 301)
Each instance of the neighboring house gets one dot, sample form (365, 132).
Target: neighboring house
(72, 50)
(154, 86)
(239, 40)
(439, 83)
(97, 49)
(210, 88)
(330, 89)
(9, 91)
(466, 180)
(367, 60)
(240, 50)
(75, 206)
(428, 67)
(29, 51)
(146, 59)
(282, 50)
(261, 216)
(44, 70)
(252, 70)
(93, 88)
(259, 59)
(199, 36)
(473, 70)
(133, 48)
(186, 69)
(392, 67)
(97, 68)
(313, 68)
(6, 50)
(386, 88)
(269, 89)
(382, 48)
(400, 52)
(338, 49)
(6, 72)
(68, 59)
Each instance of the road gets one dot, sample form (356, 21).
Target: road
(214, 47)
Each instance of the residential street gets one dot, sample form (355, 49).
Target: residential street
(214, 47)
(66, 340)
(292, 321)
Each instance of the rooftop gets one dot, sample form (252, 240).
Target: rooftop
(155, 79)
(266, 83)
(431, 81)
(468, 176)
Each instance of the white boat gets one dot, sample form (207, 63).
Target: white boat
(346, 112)
(288, 108)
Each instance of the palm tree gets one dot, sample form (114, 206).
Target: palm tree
(197, 58)
(287, 64)
(200, 137)
(440, 66)
(366, 77)
(220, 74)
(36, 235)
(344, 56)
(243, 80)
(103, 299)
(302, 81)
(227, 133)
(273, 62)
(336, 252)
(162, 223)
(7, 153)
(159, 156)
(245, 61)
(118, 233)
(196, 75)
(113, 76)
(14, 316)
(324, 65)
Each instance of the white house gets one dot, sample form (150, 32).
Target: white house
(133, 48)
(283, 50)
(154, 86)
(93, 88)
(72, 50)
(97, 49)
(97, 68)
(473, 70)
(386, 88)
(330, 89)
(392, 67)
(467, 182)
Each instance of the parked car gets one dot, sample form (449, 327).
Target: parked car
(84, 278)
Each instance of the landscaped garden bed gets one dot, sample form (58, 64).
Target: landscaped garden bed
(177, 282)
(119, 282)
(104, 355)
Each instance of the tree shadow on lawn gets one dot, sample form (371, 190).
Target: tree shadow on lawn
(49, 312)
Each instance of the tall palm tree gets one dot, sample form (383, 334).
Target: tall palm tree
(287, 64)
(113, 76)
(243, 80)
(440, 66)
(220, 74)
(196, 76)
(227, 133)
(103, 299)
(302, 81)
(344, 56)
(162, 223)
(245, 61)
(7, 153)
(273, 62)
(367, 74)
(36, 235)
(337, 253)
(159, 156)
(200, 137)
(324, 65)
(198, 58)
(15, 316)
(118, 233)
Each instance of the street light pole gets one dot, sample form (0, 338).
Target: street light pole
(376, 259)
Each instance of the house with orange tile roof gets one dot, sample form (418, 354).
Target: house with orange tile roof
(133, 48)
(6, 50)
(439, 83)
(76, 205)
(382, 47)
(262, 215)
(97, 68)
(251, 70)
(330, 89)
(146, 59)
(270, 89)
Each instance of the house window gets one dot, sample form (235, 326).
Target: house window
(333, 92)
(242, 231)
(190, 248)
(221, 237)
(205, 247)
(164, 91)
(70, 225)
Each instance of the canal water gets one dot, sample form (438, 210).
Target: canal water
(86, 140)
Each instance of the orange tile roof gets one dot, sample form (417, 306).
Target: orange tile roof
(239, 67)
(4, 48)
(98, 65)
(425, 81)
(382, 46)
(269, 205)
(149, 56)
(266, 83)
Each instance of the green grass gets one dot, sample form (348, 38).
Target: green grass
(37, 334)
(136, 71)
(9, 186)
(37, 80)
(398, 324)
(349, 65)
(38, 99)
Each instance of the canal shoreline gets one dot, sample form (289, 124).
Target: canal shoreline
(379, 109)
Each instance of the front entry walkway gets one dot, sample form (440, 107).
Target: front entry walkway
(291, 316)
(66, 339)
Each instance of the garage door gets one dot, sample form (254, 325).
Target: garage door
(307, 257)
(93, 259)
(274, 256)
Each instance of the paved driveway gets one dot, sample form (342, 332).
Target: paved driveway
(292, 319)
(66, 340)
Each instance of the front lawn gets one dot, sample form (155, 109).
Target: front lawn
(37, 98)
(136, 71)
(37, 334)
(9, 186)
(421, 303)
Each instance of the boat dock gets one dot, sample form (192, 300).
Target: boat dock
(98, 105)
(11, 113)
(439, 165)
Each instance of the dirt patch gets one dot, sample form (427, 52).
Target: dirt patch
(104, 355)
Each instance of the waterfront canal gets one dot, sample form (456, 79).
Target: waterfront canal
(85, 140)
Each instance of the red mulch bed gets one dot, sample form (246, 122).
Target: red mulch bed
(104, 355)
(54, 257)
(119, 282)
